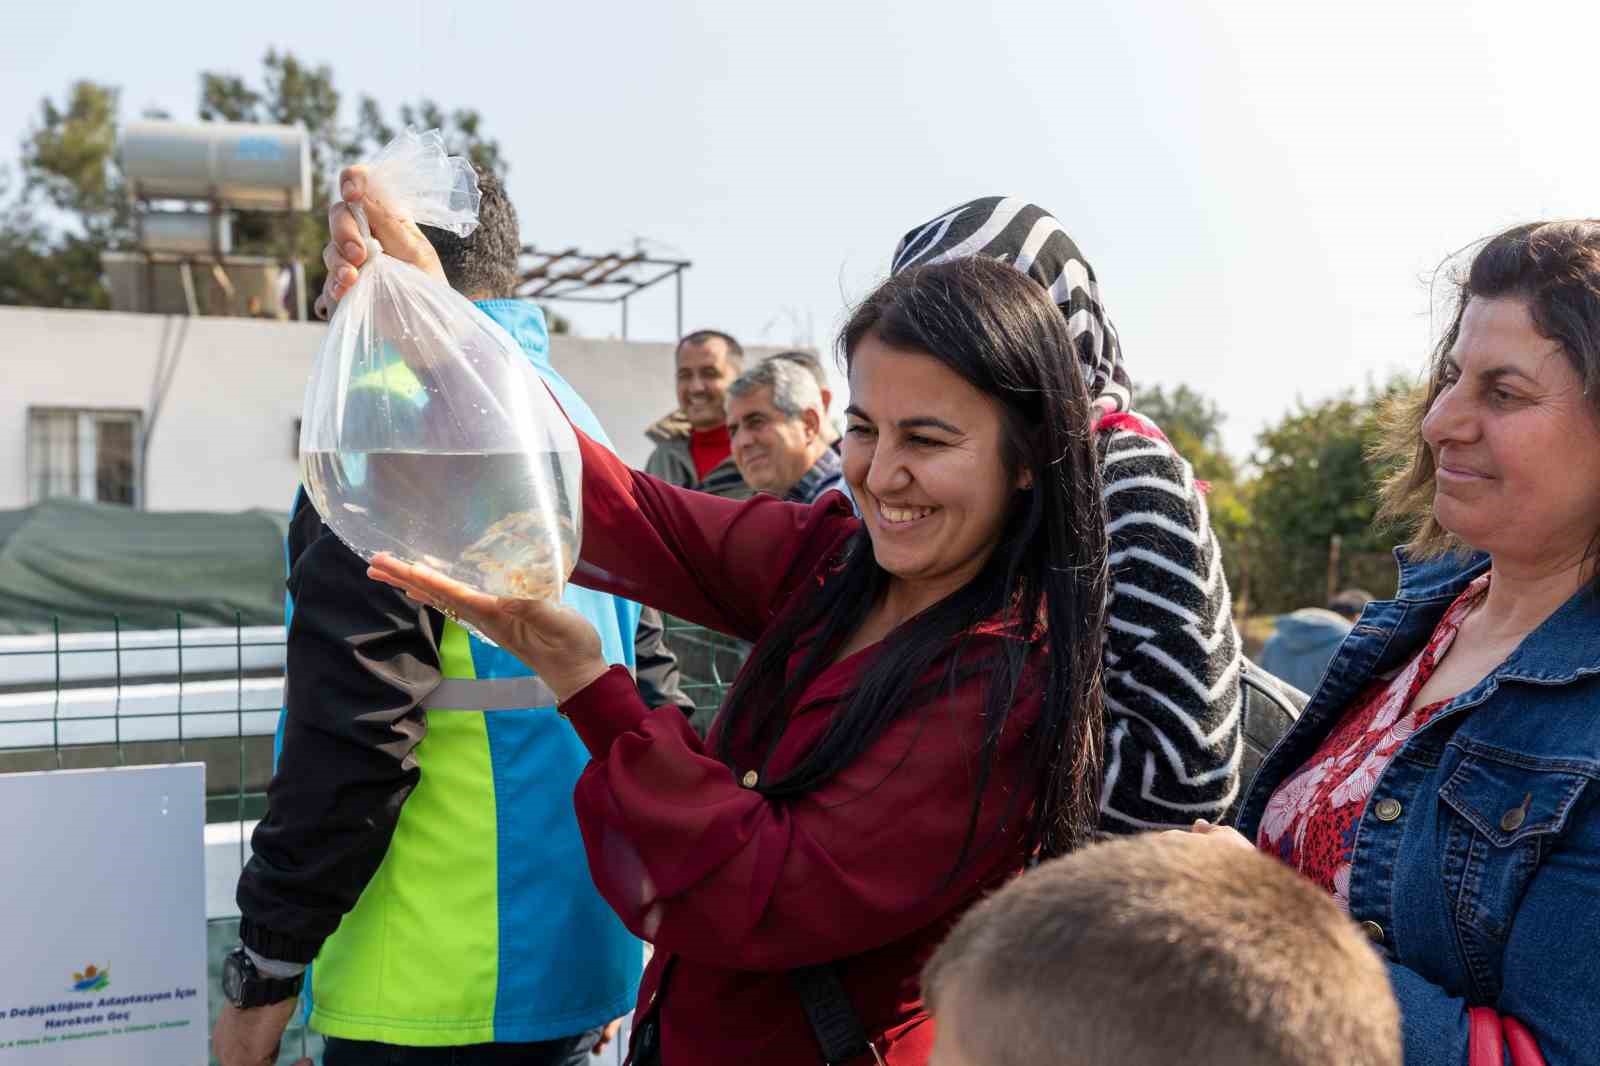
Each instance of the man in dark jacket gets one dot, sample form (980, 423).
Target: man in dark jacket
(809, 362)
(692, 449)
(775, 423)
(419, 842)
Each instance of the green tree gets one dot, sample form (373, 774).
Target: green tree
(1193, 422)
(32, 265)
(68, 167)
(69, 158)
(68, 164)
(462, 128)
(291, 93)
(1315, 479)
(1182, 410)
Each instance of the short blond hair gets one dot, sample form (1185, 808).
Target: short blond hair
(1159, 949)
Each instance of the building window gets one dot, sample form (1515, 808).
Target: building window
(84, 454)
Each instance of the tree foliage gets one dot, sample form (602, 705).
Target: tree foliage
(1310, 478)
(462, 128)
(72, 204)
(290, 93)
(41, 269)
(68, 161)
(1193, 423)
(1315, 479)
(65, 204)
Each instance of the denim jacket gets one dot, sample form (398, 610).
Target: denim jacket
(1476, 867)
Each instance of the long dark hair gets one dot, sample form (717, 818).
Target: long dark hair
(998, 330)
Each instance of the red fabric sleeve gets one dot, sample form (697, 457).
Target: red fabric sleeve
(698, 865)
(723, 564)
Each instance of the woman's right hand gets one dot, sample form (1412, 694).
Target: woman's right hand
(560, 644)
(1225, 835)
(346, 250)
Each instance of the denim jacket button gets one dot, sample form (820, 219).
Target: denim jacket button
(1374, 931)
(1387, 810)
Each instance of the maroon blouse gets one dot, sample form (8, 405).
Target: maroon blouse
(739, 889)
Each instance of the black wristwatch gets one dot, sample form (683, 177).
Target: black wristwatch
(244, 986)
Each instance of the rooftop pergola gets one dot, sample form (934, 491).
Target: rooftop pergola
(613, 278)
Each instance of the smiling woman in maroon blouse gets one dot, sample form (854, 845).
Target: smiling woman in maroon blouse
(921, 712)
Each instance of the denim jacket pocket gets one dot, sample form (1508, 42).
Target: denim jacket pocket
(1505, 811)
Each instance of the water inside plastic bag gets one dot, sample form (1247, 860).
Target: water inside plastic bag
(427, 432)
(489, 521)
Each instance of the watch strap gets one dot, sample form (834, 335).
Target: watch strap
(261, 991)
(256, 990)
(274, 967)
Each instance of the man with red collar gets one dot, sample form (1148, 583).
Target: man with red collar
(693, 448)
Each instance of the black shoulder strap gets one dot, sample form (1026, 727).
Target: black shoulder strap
(645, 1047)
(838, 1029)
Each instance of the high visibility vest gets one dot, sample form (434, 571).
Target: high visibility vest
(482, 923)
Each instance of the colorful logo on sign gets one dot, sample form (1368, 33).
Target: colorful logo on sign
(91, 980)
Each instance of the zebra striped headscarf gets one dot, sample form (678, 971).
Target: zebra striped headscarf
(1029, 238)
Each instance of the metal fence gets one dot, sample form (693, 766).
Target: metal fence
(708, 663)
(209, 694)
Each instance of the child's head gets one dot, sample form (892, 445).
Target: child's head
(1160, 949)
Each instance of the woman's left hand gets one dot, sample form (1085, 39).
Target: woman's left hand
(556, 641)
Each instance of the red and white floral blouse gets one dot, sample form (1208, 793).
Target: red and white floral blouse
(1310, 821)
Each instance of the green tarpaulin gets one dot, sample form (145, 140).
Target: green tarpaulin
(88, 563)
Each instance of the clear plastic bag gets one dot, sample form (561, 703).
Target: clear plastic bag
(427, 433)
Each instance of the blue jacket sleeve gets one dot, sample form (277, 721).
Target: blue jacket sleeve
(1433, 1022)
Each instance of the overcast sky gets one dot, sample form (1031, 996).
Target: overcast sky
(1261, 187)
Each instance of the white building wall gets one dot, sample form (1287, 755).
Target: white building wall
(224, 439)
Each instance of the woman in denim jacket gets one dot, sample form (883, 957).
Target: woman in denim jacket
(1444, 782)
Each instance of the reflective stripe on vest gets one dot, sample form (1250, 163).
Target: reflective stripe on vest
(489, 694)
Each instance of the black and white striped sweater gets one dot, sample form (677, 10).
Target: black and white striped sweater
(1171, 654)
(1172, 660)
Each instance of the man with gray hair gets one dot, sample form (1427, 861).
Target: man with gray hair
(776, 426)
(809, 362)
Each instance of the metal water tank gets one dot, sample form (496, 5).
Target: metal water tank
(196, 233)
(234, 164)
(155, 284)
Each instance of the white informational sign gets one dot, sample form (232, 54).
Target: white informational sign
(103, 930)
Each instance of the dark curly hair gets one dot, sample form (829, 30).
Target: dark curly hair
(483, 264)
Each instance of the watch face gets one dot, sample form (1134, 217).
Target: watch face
(232, 979)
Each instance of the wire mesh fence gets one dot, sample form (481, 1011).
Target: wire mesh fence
(211, 694)
(708, 662)
(118, 697)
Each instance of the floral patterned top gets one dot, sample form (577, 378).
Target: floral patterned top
(1310, 821)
